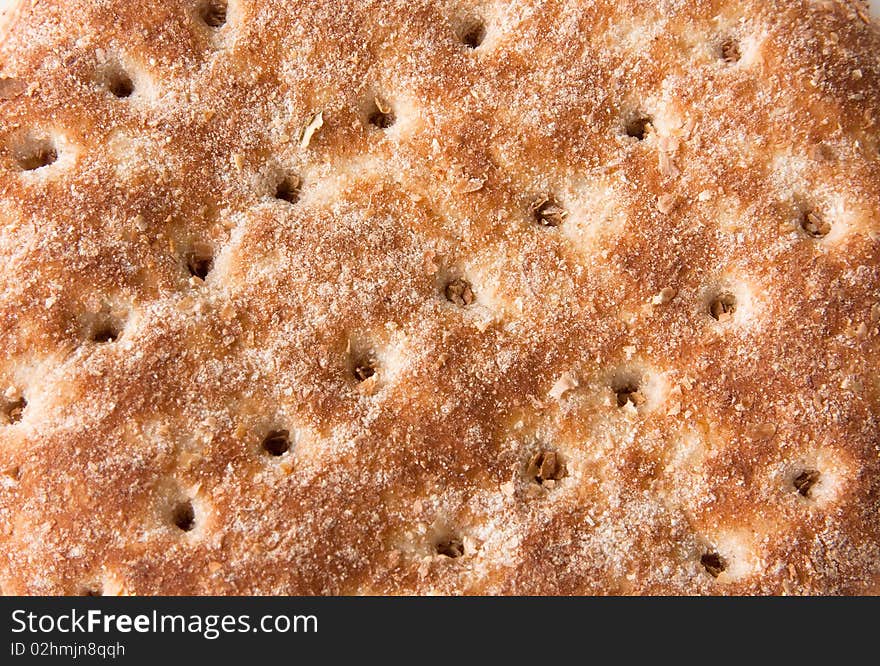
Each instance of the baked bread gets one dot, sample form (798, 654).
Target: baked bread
(533, 297)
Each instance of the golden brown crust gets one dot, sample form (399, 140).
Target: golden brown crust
(655, 369)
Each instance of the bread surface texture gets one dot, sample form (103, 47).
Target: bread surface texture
(448, 297)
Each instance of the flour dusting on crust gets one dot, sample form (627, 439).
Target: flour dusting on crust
(532, 297)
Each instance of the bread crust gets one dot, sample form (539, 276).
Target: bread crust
(547, 298)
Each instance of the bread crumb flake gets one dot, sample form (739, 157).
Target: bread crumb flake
(564, 384)
(666, 203)
(315, 123)
(369, 385)
(665, 296)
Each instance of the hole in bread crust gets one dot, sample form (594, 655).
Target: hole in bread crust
(35, 154)
(629, 393)
(288, 189)
(459, 292)
(105, 332)
(626, 389)
(805, 481)
(713, 563)
(92, 591)
(547, 212)
(277, 443)
(200, 260)
(449, 546)
(639, 126)
(730, 51)
(118, 82)
(13, 410)
(213, 12)
(184, 516)
(363, 370)
(362, 364)
(105, 328)
(722, 307)
(545, 468)
(380, 114)
(473, 33)
(814, 224)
